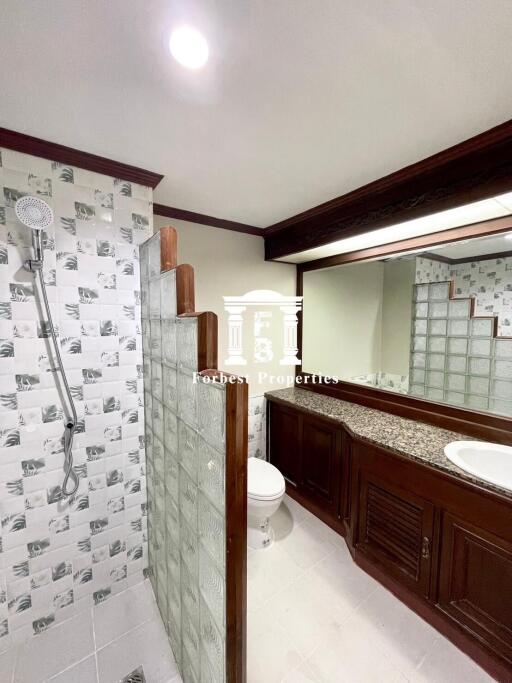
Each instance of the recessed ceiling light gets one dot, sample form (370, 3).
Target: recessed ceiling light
(189, 47)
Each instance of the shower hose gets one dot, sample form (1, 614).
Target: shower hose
(71, 422)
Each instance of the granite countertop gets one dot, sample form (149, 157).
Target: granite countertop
(409, 438)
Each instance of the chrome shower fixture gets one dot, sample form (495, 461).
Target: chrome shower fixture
(35, 214)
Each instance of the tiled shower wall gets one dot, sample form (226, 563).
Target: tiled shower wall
(490, 281)
(57, 555)
(257, 427)
(384, 380)
(454, 357)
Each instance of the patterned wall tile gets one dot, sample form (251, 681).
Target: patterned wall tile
(489, 280)
(466, 365)
(57, 555)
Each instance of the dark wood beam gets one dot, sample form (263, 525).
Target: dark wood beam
(478, 168)
(27, 144)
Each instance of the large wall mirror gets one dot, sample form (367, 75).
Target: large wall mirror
(435, 324)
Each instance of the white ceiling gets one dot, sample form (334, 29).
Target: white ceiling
(302, 100)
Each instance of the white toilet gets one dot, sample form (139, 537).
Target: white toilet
(265, 491)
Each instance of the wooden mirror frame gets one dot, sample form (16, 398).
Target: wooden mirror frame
(483, 425)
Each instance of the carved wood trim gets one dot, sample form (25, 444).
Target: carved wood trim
(477, 168)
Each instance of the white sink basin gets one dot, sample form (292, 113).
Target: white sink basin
(489, 461)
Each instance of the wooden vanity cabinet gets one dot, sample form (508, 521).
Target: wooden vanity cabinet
(395, 528)
(475, 582)
(308, 452)
(441, 544)
(321, 462)
(284, 442)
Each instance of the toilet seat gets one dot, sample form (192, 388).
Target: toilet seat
(264, 481)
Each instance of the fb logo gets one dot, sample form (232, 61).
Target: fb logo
(265, 306)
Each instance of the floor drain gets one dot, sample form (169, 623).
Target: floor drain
(136, 676)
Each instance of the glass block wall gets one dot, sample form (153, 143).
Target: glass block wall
(455, 357)
(186, 471)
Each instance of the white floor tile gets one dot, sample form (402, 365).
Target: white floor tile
(303, 674)
(350, 658)
(57, 649)
(268, 572)
(83, 672)
(306, 546)
(339, 576)
(446, 661)
(271, 656)
(308, 613)
(290, 514)
(145, 646)
(400, 634)
(296, 510)
(315, 617)
(123, 612)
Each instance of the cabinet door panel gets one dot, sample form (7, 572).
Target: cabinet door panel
(476, 582)
(284, 434)
(321, 445)
(396, 528)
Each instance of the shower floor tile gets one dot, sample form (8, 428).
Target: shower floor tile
(104, 644)
(312, 614)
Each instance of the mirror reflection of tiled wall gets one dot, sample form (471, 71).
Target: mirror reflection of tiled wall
(454, 357)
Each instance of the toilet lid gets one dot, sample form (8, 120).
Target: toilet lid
(264, 481)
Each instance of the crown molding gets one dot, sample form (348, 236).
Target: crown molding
(27, 144)
(203, 219)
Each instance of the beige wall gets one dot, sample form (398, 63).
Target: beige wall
(396, 316)
(227, 263)
(357, 319)
(343, 320)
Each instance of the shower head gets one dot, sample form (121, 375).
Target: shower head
(33, 212)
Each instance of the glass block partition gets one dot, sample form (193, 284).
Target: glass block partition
(196, 440)
(455, 357)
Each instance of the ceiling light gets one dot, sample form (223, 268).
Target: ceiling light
(188, 47)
